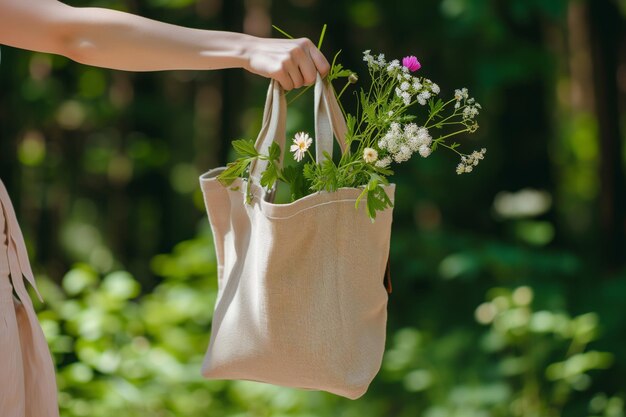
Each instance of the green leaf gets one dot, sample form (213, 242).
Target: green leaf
(274, 152)
(360, 197)
(245, 148)
(233, 171)
(383, 171)
(435, 105)
(343, 73)
(297, 184)
(269, 176)
(329, 174)
(350, 122)
(368, 108)
(377, 200)
(371, 205)
(309, 171)
(338, 71)
(407, 118)
(378, 179)
(382, 195)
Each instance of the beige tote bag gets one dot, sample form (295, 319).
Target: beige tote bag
(301, 300)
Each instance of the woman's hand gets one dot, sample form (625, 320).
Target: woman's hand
(292, 62)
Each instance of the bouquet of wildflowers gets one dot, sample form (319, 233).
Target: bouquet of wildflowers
(384, 131)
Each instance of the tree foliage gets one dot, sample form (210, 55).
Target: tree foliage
(507, 299)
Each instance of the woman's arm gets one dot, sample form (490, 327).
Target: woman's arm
(118, 40)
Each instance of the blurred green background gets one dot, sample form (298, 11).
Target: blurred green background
(509, 283)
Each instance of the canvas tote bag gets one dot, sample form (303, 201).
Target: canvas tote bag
(301, 300)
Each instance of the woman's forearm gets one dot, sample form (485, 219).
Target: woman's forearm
(112, 39)
(123, 41)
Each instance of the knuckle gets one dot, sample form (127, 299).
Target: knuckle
(283, 66)
(304, 42)
(298, 52)
(277, 72)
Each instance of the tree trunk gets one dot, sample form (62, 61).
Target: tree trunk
(606, 29)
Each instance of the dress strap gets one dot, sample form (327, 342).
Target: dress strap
(19, 264)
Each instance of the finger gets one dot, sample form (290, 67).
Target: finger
(294, 73)
(285, 80)
(321, 64)
(308, 70)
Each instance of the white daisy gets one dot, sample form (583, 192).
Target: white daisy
(301, 143)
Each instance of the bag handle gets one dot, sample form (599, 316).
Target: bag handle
(328, 120)
(272, 128)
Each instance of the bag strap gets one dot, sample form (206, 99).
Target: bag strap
(272, 129)
(328, 120)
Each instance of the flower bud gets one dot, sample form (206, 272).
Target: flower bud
(353, 78)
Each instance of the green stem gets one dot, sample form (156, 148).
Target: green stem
(440, 140)
(442, 107)
(299, 94)
(334, 60)
(283, 32)
(446, 119)
(319, 43)
(341, 92)
(450, 123)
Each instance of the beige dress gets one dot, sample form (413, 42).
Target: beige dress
(27, 381)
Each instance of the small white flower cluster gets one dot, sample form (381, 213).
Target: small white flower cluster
(374, 62)
(421, 89)
(468, 162)
(462, 94)
(471, 108)
(401, 143)
(409, 87)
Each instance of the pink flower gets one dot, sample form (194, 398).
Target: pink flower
(411, 63)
